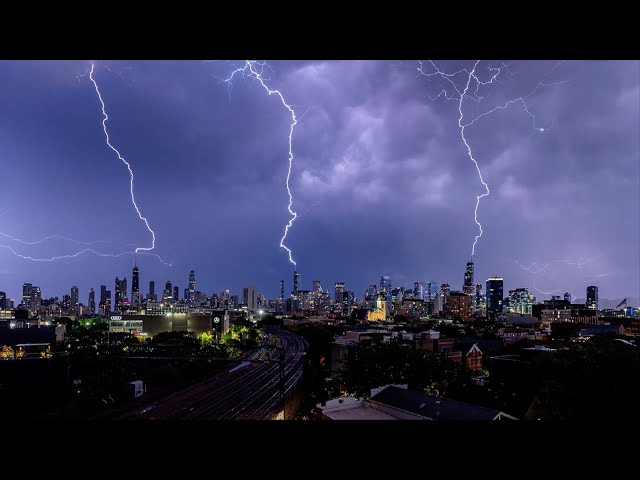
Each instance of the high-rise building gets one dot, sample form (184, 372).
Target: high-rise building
(567, 297)
(250, 298)
(152, 291)
(281, 289)
(167, 295)
(592, 297)
(468, 287)
(75, 302)
(317, 286)
(339, 291)
(135, 285)
(494, 295)
(296, 282)
(66, 303)
(104, 305)
(192, 288)
(479, 300)
(521, 301)
(92, 301)
(176, 294)
(3, 300)
(418, 291)
(36, 297)
(468, 278)
(26, 294)
(458, 306)
(385, 284)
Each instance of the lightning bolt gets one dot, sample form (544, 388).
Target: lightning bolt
(460, 96)
(255, 69)
(139, 250)
(86, 250)
(133, 199)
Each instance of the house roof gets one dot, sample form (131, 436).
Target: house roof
(432, 407)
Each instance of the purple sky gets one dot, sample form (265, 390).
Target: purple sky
(381, 178)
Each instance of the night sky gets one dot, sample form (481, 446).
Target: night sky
(381, 178)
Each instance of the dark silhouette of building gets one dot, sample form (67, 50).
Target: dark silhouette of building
(567, 297)
(92, 301)
(592, 297)
(494, 295)
(176, 294)
(282, 289)
(75, 302)
(296, 282)
(152, 291)
(3, 300)
(135, 284)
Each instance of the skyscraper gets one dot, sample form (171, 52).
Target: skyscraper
(385, 284)
(176, 294)
(135, 285)
(592, 297)
(418, 291)
(494, 295)
(92, 301)
(192, 288)
(75, 303)
(468, 286)
(567, 297)
(317, 286)
(36, 297)
(26, 294)
(250, 298)
(296, 282)
(281, 289)
(152, 291)
(117, 295)
(3, 300)
(104, 305)
(167, 295)
(339, 291)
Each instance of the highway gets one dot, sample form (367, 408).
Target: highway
(247, 390)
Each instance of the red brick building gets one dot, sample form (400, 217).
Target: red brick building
(458, 306)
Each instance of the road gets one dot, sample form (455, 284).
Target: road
(247, 390)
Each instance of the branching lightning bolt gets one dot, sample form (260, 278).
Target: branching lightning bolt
(133, 200)
(255, 69)
(139, 250)
(461, 96)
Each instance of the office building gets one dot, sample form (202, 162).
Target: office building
(468, 285)
(296, 282)
(520, 301)
(135, 285)
(592, 297)
(92, 301)
(567, 297)
(3, 300)
(338, 290)
(176, 294)
(167, 294)
(26, 295)
(281, 289)
(75, 302)
(494, 295)
(191, 299)
(152, 292)
(250, 298)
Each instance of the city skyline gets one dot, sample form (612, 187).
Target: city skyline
(381, 180)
